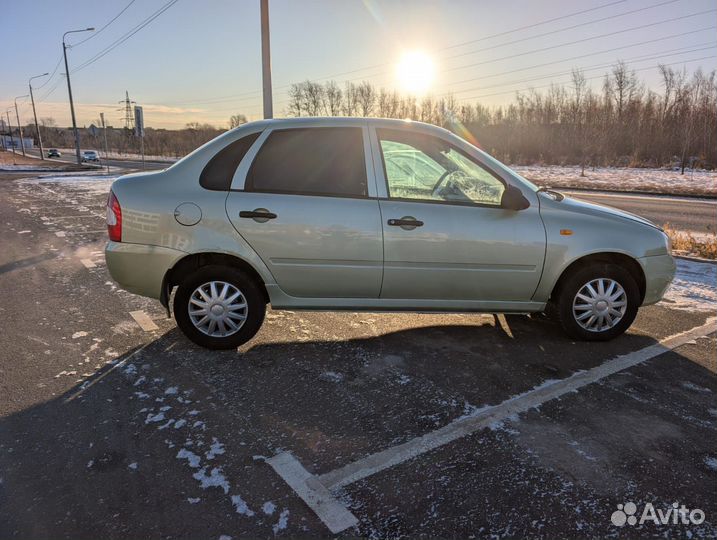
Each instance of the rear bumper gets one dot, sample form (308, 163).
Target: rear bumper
(138, 268)
(659, 271)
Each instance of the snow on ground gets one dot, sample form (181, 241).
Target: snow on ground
(694, 287)
(622, 179)
(89, 183)
(24, 168)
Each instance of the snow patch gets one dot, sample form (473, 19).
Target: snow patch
(214, 479)
(283, 521)
(268, 508)
(241, 506)
(694, 287)
(191, 457)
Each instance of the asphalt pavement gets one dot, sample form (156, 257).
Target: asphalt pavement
(405, 424)
(682, 213)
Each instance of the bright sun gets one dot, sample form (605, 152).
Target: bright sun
(415, 72)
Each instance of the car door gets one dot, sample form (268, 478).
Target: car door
(306, 204)
(446, 235)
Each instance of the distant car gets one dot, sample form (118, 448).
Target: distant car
(53, 152)
(371, 214)
(90, 155)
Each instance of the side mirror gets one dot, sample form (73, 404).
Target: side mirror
(513, 199)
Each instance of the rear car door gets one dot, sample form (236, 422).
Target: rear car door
(306, 204)
(446, 235)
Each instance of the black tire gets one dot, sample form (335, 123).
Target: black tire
(256, 306)
(575, 282)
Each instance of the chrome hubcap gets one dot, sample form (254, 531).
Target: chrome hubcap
(600, 304)
(217, 309)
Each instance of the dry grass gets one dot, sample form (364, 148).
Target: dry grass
(684, 243)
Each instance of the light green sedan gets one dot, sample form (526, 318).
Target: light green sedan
(371, 215)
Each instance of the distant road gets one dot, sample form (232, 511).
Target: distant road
(682, 213)
(119, 163)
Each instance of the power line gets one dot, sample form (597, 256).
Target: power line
(573, 27)
(587, 79)
(512, 42)
(642, 58)
(59, 61)
(551, 47)
(578, 57)
(126, 36)
(94, 34)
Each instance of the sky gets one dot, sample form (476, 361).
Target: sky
(200, 61)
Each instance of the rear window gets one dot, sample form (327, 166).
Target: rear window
(218, 173)
(311, 161)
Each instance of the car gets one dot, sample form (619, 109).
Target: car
(371, 215)
(90, 155)
(53, 152)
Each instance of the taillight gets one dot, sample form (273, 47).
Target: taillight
(114, 218)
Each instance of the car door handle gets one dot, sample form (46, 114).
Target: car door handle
(405, 222)
(259, 213)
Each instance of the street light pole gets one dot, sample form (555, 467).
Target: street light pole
(34, 114)
(266, 59)
(19, 126)
(69, 91)
(9, 125)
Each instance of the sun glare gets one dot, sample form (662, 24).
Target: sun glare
(415, 72)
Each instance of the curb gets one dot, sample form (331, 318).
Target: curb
(695, 259)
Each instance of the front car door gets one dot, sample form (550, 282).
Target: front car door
(304, 199)
(445, 233)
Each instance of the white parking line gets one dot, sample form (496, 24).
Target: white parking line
(313, 489)
(143, 320)
(334, 515)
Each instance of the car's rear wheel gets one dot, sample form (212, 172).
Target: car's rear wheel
(219, 307)
(598, 303)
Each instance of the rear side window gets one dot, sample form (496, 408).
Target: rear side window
(311, 161)
(218, 173)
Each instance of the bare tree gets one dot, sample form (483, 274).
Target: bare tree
(334, 98)
(236, 120)
(366, 98)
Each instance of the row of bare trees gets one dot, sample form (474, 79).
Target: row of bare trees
(622, 123)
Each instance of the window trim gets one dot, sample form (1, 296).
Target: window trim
(242, 174)
(387, 196)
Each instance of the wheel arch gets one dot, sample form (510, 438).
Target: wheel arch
(192, 262)
(621, 259)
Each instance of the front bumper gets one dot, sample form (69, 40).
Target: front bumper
(659, 271)
(139, 268)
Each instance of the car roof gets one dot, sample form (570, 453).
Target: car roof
(329, 121)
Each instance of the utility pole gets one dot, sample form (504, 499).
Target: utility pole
(19, 126)
(34, 114)
(69, 91)
(9, 125)
(266, 59)
(104, 132)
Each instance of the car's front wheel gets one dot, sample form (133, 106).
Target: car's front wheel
(219, 307)
(598, 303)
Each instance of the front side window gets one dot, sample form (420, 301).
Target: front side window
(424, 167)
(311, 161)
